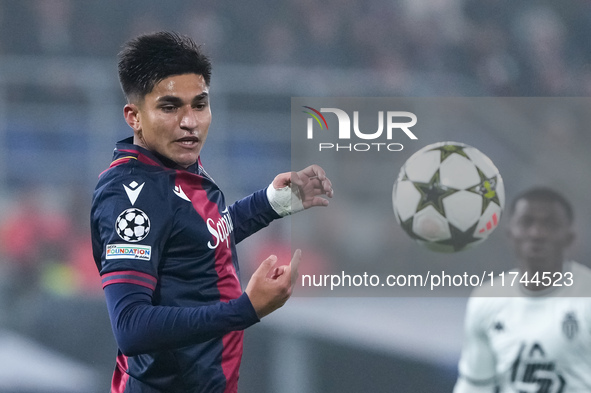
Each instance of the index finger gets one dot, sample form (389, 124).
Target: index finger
(294, 265)
(314, 171)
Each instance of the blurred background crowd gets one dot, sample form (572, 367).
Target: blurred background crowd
(61, 113)
(480, 47)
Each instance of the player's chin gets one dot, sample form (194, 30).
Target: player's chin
(185, 155)
(536, 253)
(186, 159)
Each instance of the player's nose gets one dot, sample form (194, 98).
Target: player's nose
(189, 119)
(538, 231)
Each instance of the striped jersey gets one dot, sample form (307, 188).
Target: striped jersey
(164, 242)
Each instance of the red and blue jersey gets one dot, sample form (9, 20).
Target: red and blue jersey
(164, 242)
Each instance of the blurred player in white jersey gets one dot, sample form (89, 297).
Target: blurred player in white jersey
(533, 336)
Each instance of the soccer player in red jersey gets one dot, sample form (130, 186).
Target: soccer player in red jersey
(164, 240)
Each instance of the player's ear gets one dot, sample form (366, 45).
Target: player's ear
(570, 238)
(131, 114)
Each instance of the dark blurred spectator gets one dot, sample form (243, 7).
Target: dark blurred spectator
(53, 22)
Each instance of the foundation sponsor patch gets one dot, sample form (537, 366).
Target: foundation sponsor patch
(126, 251)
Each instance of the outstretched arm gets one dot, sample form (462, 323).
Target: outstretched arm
(290, 192)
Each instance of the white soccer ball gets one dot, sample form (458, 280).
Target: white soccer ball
(448, 196)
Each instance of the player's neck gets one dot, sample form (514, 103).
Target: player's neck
(536, 276)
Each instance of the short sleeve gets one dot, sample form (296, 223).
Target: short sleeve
(130, 222)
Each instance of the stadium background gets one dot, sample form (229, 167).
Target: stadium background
(61, 112)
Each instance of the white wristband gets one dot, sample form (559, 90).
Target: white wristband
(285, 200)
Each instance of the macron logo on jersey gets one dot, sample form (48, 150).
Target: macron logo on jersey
(133, 191)
(220, 230)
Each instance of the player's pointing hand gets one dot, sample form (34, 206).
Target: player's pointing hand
(270, 286)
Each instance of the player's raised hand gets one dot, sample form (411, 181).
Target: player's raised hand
(270, 286)
(295, 191)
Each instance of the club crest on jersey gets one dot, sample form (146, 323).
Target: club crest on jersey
(570, 326)
(132, 225)
(180, 193)
(220, 230)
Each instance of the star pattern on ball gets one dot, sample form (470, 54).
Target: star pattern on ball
(407, 226)
(433, 193)
(487, 188)
(448, 150)
(460, 239)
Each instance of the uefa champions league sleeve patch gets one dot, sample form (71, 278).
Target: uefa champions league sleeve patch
(133, 225)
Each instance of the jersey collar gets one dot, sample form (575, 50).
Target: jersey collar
(126, 150)
(567, 266)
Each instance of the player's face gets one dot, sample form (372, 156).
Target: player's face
(173, 119)
(540, 232)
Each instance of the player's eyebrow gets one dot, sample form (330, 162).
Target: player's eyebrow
(202, 96)
(178, 101)
(170, 99)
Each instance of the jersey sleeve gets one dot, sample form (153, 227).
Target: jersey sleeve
(251, 214)
(130, 222)
(477, 361)
(140, 327)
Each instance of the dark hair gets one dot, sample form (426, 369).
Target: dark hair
(545, 194)
(151, 58)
